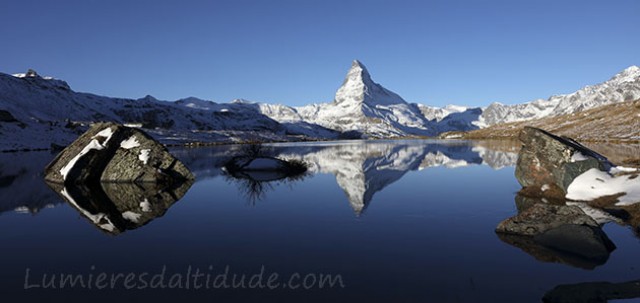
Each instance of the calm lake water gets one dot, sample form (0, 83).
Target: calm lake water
(394, 221)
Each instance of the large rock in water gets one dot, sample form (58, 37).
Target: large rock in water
(563, 228)
(541, 217)
(547, 164)
(110, 152)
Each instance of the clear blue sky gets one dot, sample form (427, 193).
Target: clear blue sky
(297, 52)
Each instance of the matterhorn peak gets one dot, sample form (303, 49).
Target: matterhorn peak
(358, 88)
(358, 73)
(359, 67)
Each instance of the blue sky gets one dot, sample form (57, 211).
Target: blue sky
(297, 52)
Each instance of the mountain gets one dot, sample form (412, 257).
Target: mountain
(625, 86)
(360, 107)
(618, 121)
(36, 112)
(364, 107)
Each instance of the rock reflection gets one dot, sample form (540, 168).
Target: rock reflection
(118, 207)
(593, 292)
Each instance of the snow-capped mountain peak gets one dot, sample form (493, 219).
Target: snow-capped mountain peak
(49, 82)
(358, 88)
(624, 86)
(630, 74)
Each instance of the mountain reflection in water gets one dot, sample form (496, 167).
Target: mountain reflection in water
(362, 168)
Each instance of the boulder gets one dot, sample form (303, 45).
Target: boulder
(110, 152)
(263, 168)
(547, 164)
(541, 217)
(561, 231)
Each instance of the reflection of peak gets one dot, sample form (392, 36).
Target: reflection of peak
(362, 169)
(440, 159)
(365, 168)
(497, 158)
(17, 189)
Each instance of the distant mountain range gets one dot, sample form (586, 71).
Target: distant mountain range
(615, 122)
(38, 111)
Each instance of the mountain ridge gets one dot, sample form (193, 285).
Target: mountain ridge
(37, 111)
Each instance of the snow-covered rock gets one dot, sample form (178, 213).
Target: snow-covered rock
(549, 161)
(109, 152)
(595, 183)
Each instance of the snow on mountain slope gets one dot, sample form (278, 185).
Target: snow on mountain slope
(438, 113)
(290, 121)
(365, 107)
(360, 105)
(625, 86)
(36, 112)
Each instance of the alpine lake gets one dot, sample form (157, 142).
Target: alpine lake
(371, 221)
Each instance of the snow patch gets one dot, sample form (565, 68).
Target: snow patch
(144, 156)
(131, 216)
(545, 187)
(577, 156)
(22, 210)
(621, 169)
(145, 206)
(130, 143)
(94, 144)
(105, 133)
(594, 183)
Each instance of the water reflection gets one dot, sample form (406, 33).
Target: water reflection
(450, 234)
(117, 207)
(365, 168)
(22, 188)
(593, 292)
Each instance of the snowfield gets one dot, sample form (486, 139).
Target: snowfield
(594, 184)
